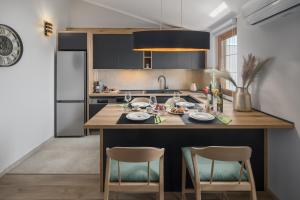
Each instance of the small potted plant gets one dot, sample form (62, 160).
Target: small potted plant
(241, 97)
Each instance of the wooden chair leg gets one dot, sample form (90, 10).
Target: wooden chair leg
(198, 193)
(106, 194)
(107, 178)
(253, 195)
(183, 178)
(161, 179)
(161, 195)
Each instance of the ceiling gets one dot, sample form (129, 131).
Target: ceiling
(195, 13)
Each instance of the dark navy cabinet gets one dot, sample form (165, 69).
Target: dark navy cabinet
(114, 51)
(178, 60)
(72, 41)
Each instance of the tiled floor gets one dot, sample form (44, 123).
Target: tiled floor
(63, 156)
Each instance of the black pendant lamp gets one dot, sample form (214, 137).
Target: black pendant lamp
(171, 40)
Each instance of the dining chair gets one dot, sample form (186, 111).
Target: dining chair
(134, 169)
(140, 99)
(218, 169)
(171, 101)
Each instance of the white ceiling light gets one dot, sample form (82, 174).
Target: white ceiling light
(223, 6)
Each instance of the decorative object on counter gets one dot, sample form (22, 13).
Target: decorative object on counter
(193, 87)
(11, 46)
(96, 87)
(242, 97)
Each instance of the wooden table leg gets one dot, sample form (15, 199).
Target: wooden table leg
(101, 161)
(266, 160)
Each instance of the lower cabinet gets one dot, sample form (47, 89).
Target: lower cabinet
(95, 108)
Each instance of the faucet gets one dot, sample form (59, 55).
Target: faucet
(162, 86)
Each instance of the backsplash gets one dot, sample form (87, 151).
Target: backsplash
(147, 79)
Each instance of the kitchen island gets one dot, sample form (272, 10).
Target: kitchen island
(246, 128)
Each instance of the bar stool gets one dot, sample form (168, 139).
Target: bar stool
(134, 169)
(218, 169)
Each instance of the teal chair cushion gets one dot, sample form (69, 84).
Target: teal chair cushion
(223, 170)
(134, 172)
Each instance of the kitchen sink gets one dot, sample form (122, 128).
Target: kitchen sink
(149, 91)
(161, 91)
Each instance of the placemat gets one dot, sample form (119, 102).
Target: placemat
(124, 120)
(187, 120)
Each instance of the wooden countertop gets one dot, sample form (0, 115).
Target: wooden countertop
(140, 93)
(107, 119)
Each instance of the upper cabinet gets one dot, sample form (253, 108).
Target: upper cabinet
(178, 60)
(114, 51)
(72, 41)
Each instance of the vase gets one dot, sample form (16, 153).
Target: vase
(242, 100)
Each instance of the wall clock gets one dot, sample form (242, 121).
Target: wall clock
(11, 47)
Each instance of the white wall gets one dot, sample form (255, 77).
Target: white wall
(27, 88)
(276, 91)
(86, 15)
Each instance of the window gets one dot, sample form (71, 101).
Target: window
(227, 57)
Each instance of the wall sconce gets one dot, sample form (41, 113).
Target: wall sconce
(48, 28)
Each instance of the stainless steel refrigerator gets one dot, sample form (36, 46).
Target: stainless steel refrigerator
(70, 89)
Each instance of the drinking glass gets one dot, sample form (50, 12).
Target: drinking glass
(127, 98)
(176, 97)
(153, 102)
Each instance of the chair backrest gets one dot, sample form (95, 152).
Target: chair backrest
(135, 154)
(172, 101)
(140, 99)
(223, 153)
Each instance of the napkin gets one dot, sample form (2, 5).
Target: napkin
(224, 119)
(158, 119)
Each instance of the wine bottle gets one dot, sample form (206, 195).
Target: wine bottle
(210, 95)
(220, 99)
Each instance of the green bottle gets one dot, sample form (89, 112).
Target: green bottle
(220, 99)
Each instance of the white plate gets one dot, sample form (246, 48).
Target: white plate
(140, 104)
(201, 116)
(185, 104)
(138, 116)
